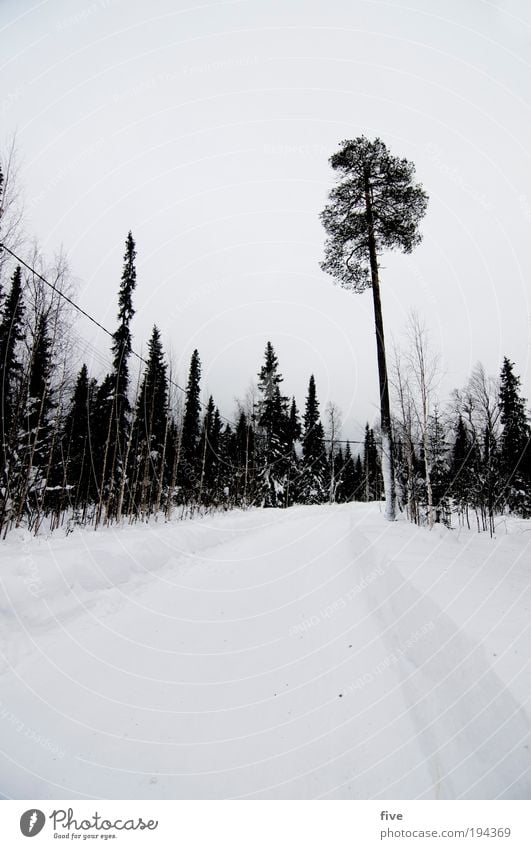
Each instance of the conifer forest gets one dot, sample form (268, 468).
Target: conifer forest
(131, 444)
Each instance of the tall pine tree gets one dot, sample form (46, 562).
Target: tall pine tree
(116, 441)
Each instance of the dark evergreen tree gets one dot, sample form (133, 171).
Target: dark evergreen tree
(189, 456)
(150, 428)
(11, 334)
(209, 446)
(372, 485)
(358, 477)
(274, 445)
(313, 488)
(339, 464)
(75, 454)
(35, 428)
(213, 485)
(515, 452)
(461, 469)
(122, 340)
(228, 473)
(295, 429)
(100, 436)
(349, 477)
(488, 485)
(439, 470)
(244, 478)
(118, 427)
(269, 380)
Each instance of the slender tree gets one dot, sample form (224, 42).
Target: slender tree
(75, 442)
(273, 442)
(314, 475)
(371, 467)
(11, 334)
(35, 426)
(515, 453)
(150, 421)
(376, 206)
(121, 350)
(189, 458)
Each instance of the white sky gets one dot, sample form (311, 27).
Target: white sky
(206, 129)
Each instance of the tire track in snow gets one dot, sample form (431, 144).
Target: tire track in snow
(467, 719)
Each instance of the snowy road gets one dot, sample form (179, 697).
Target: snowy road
(314, 652)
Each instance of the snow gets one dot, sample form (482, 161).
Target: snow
(315, 652)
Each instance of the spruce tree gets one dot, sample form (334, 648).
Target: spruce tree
(100, 432)
(372, 485)
(35, 427)
(75, 443)
(350, 478)
(189, 457)
(489, 488)
(462, 470)
(274, 443)
(122, 343)
(515, 453)
(118, 429)
(269, 380)
(150, 423)
(244, 466)
(11, 334)
(295, 429)
(358, 478)
(313, 482)
(339, 464)
(439, 469)
(207, 453)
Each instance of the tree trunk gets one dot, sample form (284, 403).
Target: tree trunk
(385, 407)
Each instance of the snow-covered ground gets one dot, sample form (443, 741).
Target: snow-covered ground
(307, 653)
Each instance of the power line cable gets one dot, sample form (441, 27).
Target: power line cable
(91, 318)
(98, 324)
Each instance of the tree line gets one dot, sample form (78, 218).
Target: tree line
(99, 451)
(80, 449)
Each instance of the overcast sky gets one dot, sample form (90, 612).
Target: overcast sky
(206, 128)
